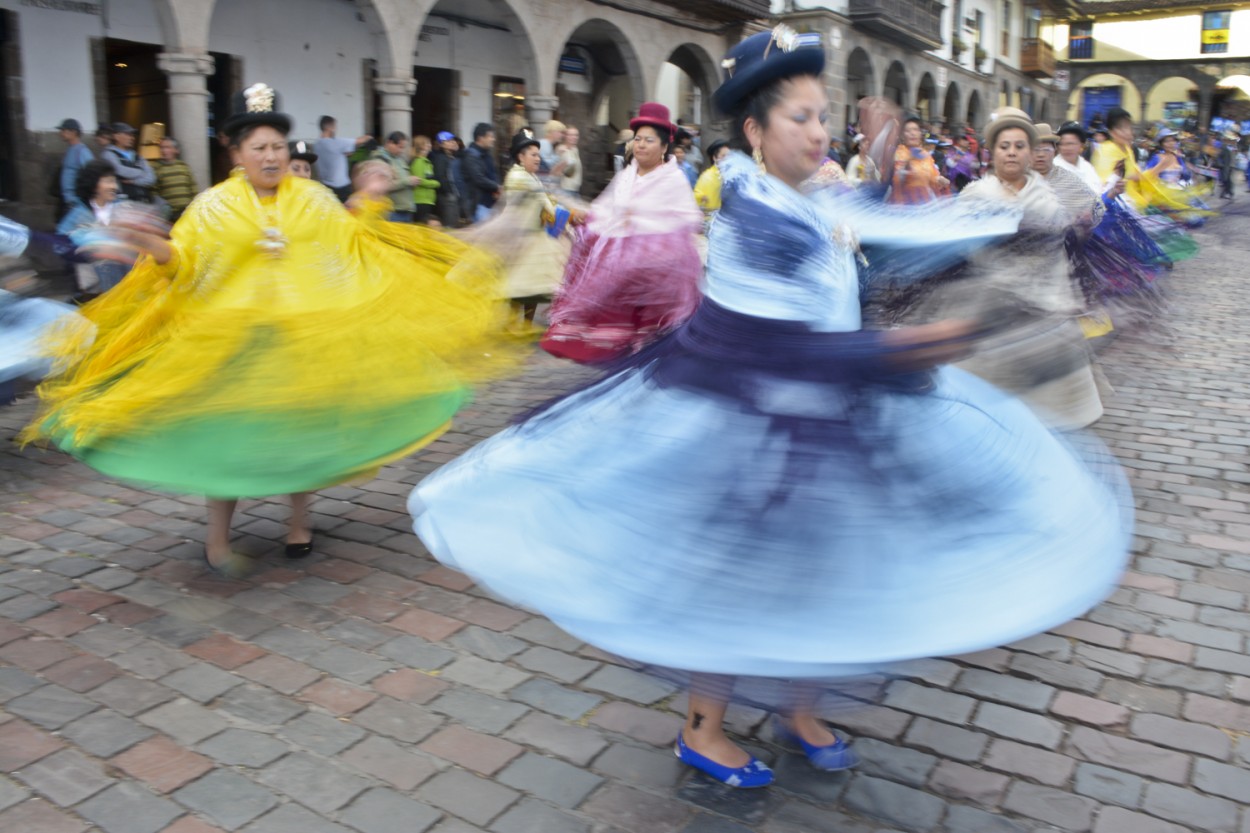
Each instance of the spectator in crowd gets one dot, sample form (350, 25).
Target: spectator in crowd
(76, 155)
(445, 165)
(571, 177)
(134, 175)
(302, 160)
(394, 152)
(835, 151)
(175, 183)
(481, 178)
(621, 152)
(332, 153)
(103, 136)
(97, 189)
(679, 155)
(685, 140)
(552, 166)
(425, 191)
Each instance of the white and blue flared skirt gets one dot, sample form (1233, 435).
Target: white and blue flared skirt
(780, 525)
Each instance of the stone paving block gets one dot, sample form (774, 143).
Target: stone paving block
(415, 652)
(1109, 786)
(1058, 674)
(36, 652)
(636, 811)
(965, 783)
(151, 660)
(105, 733)
(1170, 674)
(963, 819)
(628, 685)
(1230, 662)
(51, 706)
(531, 816)
(1134, 756)
(378, 811)
(1030, 762)
(930, 702)
(542, 632)
(947, 740)
(1117, 820)
(201, 682)
(1138, 697)
(1000, 688)
(22, 744)
(487, 644)
(358, 634)
(292, 818)
(390, 763)
(714, 824)
(66, 777)
(279, 673)
(474, 799)
(1190, 808)
(549, 779)
(1182, 735)
(292, 642)
(316, 783)
(174, 630)
(243, 747)
(906, 807)
(15, 682)
(1217, 712)
(349, 664)
(321, 733)
(478, 711)
(129, 808)
(898, 763)
(38, 816)
(410, 685)
(130, 696)
(184, 721)
(337, 697)
(1109, 661)
(1222, 780)
(11, 794)
(653, 727)
(258, 705)
(62, 622)
(472, 750)
(191, 824)
(641, 767)
(162, 764)
(81, 673)
(1091, 710)
(111, 578)
(562, 666)
(228, 798)
(401, 721)
(795, 775)
(573, 743)
(799, 817)
(555, 699)
(106, 640)
(493, 677)
(1019, 725)
(1066, 811)
(426, 624)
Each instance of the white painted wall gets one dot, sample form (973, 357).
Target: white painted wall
(1164, 38)
(56, 64)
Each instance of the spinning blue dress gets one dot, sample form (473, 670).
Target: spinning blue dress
(759, 494)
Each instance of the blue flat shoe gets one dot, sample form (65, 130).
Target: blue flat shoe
(755, 774)
(834, 757)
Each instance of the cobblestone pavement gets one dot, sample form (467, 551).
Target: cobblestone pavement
(371, 690)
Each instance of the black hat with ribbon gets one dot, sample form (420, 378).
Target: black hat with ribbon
(764, 58)
(257, 105)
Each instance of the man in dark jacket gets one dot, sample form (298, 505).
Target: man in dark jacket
(134, 174)
(447, 205)
(480, 175)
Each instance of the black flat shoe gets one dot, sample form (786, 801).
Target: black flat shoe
(299, 550)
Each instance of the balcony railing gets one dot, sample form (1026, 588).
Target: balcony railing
(1037, 58)
(916, 24)
(726, 11)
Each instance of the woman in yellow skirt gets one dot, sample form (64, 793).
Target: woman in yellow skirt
(274, 344)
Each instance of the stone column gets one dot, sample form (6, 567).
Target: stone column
(395, 103)
(188, 108)
(1205, 96)
(540, 109)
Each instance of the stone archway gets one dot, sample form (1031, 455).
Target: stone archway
(976, 116)
(693, 99)
(926, 98)
(613, 86)
(951, 112)
(861, 82)
(1095, 94)
(896, 87)
(1171, 98)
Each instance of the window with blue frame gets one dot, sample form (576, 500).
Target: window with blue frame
(1215, 26)
(1080, 40)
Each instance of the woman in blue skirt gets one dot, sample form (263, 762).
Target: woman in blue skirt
(772, 492)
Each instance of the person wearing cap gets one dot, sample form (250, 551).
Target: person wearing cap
(633, 274)
(77, 154)
(175, 183)
(1083, 203)
(772, 497)
(916, 179)
(134, 174)
(273, 343)
(302, 159)
(445, 164)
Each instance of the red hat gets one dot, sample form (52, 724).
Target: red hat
(656, 115)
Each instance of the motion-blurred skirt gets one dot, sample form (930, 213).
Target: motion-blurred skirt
(700, 515)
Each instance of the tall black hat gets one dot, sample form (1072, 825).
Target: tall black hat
(302, 150)
(256, 105)
(523, 139)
